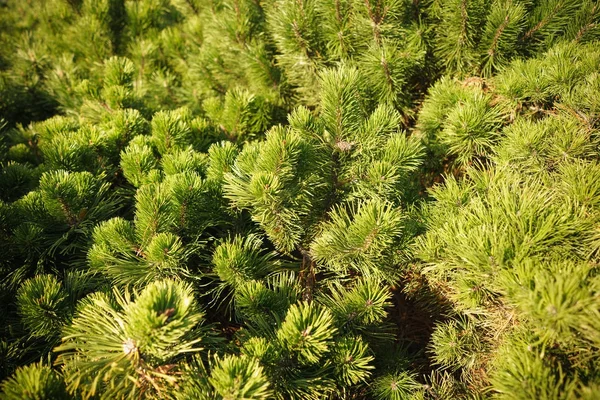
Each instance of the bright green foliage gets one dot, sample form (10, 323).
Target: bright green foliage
(314, 163)
(307, 331)
(398, 386)
(70, 197)
(239, 378)
(456, 345)
(43, 305)
(460, 21)
(460, 122)
(124, 348)
(280, 202)
(311, 35)
(352, 361)
(35, 382)
(500, 37)
(167, 213)
(361, 239)
(307, 356)
(470, 129)
(516, 377)
(300, 199)
(139, 163)
(56, 219)
(260, 303)
(539, 146)
(231, 377)
(239, 260)
(514, 243)
(360, 309)
(463, 120)
(117, 254)
(482, 36)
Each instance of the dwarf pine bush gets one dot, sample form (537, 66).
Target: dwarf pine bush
(336, 199)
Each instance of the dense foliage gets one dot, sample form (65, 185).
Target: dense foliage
(300, 199)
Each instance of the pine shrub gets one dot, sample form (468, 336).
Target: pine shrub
(341, 199)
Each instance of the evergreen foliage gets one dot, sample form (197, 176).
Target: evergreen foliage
(35, 381)
(337, 199)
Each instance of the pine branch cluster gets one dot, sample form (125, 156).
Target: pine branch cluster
(341, 199)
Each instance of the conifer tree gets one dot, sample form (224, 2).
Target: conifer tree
(337, 199)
